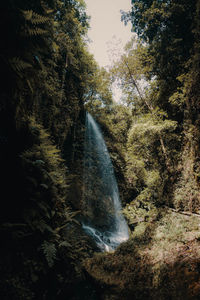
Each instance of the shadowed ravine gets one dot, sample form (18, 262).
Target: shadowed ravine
(103, 220)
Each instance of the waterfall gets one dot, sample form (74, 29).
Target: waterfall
(103, 219)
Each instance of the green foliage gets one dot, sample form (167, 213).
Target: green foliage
(131, 70)
(160, 54)
(145, 133)
(34, 18)
(135, 171)
(161, 151)
(49, 250)
(144, 157)
(169, 39)
(163, 252)
(46, 68)
(153, 140)
(99, 88)
(19, 65)
(186, 193)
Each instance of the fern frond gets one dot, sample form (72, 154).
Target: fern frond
(27, 14)
(65, 244)
(49, 251)
(29, 85)
(49, 11)
(35, 31)
(42, 226)
(39, 19)
(19, 65)
(34, 18)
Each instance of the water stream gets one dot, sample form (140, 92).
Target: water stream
(103, 219)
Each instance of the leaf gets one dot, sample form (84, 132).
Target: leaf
(49, 251)
(35, 31)
(27, 14)
(65, 244)
(44, 186)
(19, 65)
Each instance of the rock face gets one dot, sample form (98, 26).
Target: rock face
(102, 207)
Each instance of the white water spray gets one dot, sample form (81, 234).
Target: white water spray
(104, 220)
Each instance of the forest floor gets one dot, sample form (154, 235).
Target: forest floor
(161, 260)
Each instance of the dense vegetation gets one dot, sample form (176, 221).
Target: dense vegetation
(47, 75)
(48, 81)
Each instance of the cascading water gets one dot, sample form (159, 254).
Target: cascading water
(103, 220)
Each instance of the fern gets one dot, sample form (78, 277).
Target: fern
(34, 18)
(35, 31)
(38, 19)
(49, 251)
(27, 14)
(65, 244)
(19, 65)
(29, 85)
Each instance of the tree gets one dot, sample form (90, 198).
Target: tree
(166, 26)
(170, 30)
(131, 71)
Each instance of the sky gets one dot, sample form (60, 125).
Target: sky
(107, 31)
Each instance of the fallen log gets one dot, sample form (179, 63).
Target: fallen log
(186, 213)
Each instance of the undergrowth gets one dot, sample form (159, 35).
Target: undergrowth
(48, 241)
(160, 261)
